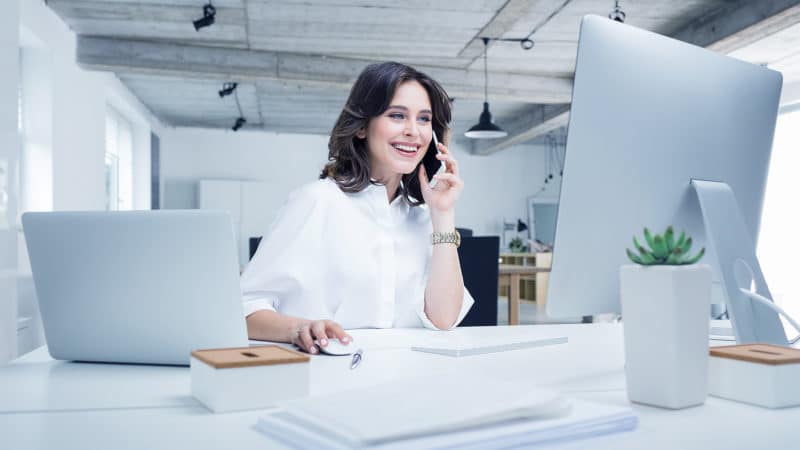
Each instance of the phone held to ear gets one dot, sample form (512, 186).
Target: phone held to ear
(432, 165)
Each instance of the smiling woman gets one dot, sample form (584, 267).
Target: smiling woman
(382, 240)
(420, 100)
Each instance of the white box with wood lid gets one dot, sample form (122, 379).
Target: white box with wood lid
(235, 379)
(759, 374)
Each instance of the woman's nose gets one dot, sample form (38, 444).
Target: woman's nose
(411, 129)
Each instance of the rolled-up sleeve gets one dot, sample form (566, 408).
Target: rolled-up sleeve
(252, 303)
(466, 304)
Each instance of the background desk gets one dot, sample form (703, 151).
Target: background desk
(53, 404)
(510, 276)
(531, 286)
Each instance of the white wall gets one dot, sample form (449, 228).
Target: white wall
(64, 136)
(790, 94)
(496, 186)
(778, 240)
(37, 160)
(78, 108)
(283, 161)
(9, 151)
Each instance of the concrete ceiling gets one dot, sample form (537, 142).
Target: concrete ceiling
(295, 60)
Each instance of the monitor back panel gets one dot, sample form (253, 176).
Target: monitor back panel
(649, 114)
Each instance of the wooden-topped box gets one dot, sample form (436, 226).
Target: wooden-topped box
(234, 379)
(760, 374)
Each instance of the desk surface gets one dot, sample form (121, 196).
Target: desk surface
(55, 404)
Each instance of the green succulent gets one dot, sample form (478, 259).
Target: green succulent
(664, 250)
(516, 245)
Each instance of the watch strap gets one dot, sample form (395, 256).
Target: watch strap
(450, 237)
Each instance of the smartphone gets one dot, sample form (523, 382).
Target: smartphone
(432, 165)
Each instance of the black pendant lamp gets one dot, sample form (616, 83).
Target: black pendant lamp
(485, 128)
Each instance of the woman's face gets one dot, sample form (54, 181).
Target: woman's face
(398, 138)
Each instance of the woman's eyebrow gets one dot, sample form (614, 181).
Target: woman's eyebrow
(406, 109)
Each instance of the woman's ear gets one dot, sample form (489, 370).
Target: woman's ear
(362, 133)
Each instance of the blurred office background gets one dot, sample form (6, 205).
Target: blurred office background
(121, 104)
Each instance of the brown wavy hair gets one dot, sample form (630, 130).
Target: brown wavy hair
(348, 155)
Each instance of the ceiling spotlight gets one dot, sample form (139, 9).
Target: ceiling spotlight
(617, 14)
(208, 17)
(227, 89)
(239, 123)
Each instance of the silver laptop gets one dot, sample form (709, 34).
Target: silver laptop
(137, 286)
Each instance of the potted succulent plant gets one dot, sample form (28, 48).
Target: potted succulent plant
(666, 298)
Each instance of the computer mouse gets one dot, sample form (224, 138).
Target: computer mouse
(337, 348)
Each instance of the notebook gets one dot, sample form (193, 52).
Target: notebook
(458, 410)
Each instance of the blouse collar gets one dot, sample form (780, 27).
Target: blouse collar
(377, 197)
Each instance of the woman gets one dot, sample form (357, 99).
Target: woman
(354, 249)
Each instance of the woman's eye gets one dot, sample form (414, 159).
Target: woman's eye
(399, 116)
(425, 119)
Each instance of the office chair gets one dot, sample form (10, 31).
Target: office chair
(464, 232)
(478, 257)
(254, 241)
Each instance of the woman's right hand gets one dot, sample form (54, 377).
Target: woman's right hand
(321, 330)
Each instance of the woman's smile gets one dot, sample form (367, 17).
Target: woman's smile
(405, 149)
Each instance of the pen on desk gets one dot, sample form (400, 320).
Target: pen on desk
(356, 359)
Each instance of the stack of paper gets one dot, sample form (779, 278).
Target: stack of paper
(454, 411)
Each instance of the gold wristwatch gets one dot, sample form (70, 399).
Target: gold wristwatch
(451, 237)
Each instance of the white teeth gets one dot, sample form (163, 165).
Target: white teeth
(405, 148)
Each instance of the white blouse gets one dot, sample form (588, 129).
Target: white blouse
(351, 258)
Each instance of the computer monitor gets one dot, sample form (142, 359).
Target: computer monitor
(649, 114)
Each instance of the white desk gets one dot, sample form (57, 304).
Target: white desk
(53, 404)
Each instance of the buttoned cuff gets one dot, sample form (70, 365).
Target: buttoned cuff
(466, 304)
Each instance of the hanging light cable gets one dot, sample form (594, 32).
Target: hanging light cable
(485, 128)
(240, 121)
(617, 14)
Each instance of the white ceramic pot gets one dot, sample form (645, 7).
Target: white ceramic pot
(665, 315)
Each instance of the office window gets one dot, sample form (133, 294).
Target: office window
(35, 124)
(4, 175)
(779, 241)
(118, 162)
(19, 104)
(112, 182)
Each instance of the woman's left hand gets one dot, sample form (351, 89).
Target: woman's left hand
(443, 197)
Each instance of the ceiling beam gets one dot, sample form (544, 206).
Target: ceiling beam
(723, 30)
(229, 64)
(535, 121)
(737, 24)
(502, 22)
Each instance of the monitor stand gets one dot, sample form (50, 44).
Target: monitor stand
(737, 265)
